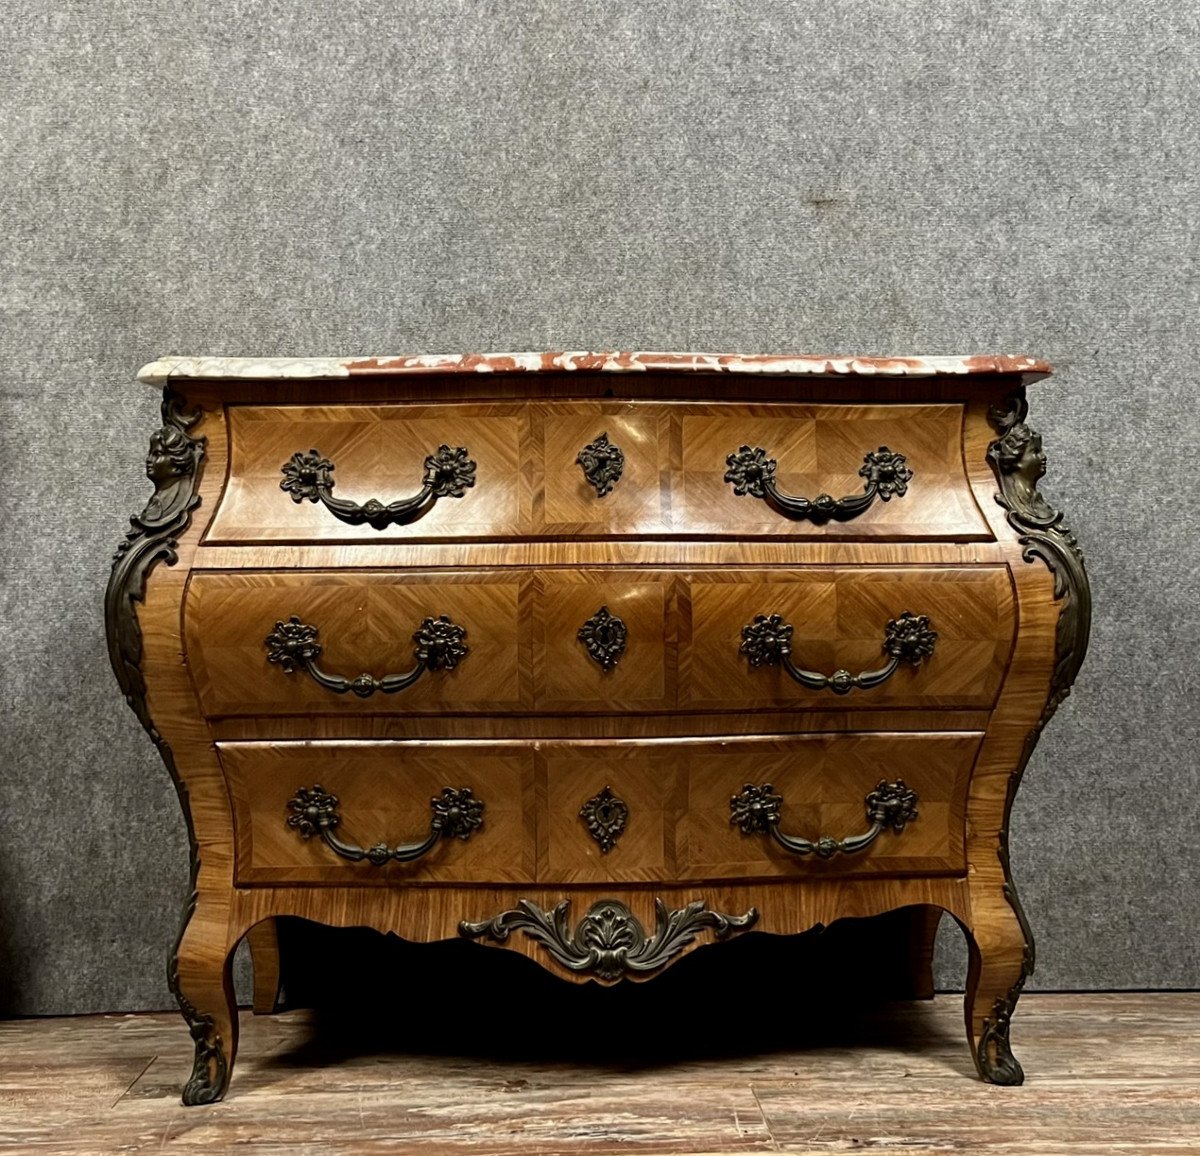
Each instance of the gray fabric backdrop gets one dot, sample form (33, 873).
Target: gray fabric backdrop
(350, 176)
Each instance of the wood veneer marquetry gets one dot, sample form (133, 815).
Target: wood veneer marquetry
(839, 618)
(366, 623)
(564, 502)
(643, 777)
(529, 484)
(824, 781)
(819, 450)
(567, 678)
(999, 943)
(430, 912)
(379, 452)
(568, 554)
(384, 793)
(679, 795)
(534, 726)
(575, 725)
(684, 630)
(263, 941)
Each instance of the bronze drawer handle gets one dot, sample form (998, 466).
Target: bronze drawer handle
(449, 473)
(457, 814)
(440, 646)
(752, 472)
(767, 641)
(755, 809)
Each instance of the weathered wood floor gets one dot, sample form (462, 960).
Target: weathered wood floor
(1106, 1074)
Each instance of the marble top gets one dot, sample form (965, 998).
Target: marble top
(292, 368)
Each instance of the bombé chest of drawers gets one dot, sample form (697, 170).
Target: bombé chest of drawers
(600, 657)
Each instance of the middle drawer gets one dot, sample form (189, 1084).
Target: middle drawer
(598, 640)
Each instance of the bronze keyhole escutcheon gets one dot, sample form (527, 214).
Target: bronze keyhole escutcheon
(605, 815)
(602, 463)
(605, 636)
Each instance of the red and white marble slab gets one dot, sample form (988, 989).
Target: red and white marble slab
(290, 368)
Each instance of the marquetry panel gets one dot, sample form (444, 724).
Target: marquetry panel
(820, 449)
(366, 623)
(678, 798)
(839, 617)
(683, 631)
(643, 776)
(566, 677)
(565, 503)
(824, 780)
(378, 452)
(384, 792)
(529, 484)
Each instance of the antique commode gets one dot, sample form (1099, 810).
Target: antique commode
(547, 650)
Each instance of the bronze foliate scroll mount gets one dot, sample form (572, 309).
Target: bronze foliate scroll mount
(609, 942)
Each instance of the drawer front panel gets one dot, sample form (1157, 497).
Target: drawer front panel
(383, 796)
(642, 778)
(597, 641)
(637, 497)
(591, 813)
(677, 813)
(562, 469)
(824, 782)
(821, 449)
(364, 623)
(377, 452)
(583, 661)
(839, 621)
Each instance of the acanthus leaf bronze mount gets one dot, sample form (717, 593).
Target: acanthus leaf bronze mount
(610, 942)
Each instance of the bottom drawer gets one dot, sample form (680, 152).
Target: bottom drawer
(681, 821)
(594, 812)
(384, 795)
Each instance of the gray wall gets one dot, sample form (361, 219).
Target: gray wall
(361, 176)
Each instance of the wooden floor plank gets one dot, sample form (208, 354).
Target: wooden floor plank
(1108, 1075)
(832, 1118)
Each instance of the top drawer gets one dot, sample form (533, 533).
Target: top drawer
(561, 469)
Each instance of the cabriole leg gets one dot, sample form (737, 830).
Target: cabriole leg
(1001, 957)
(201, 976)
